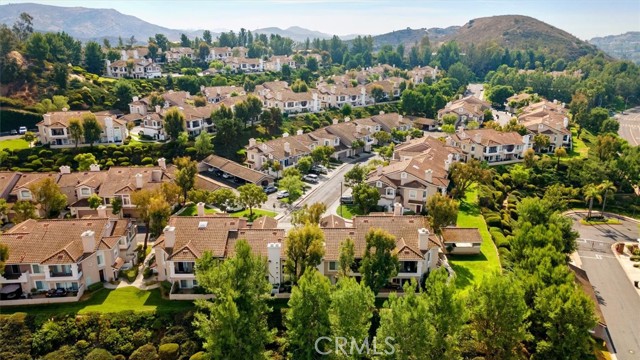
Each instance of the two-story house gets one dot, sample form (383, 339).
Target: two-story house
(419, 75)
(133, 68)
(336, 96)
(242, 64)
(492, 146)
(186, 239)
(63, 254)
(54, 129)
(175, 54)
(215, 94)
(291, 102)
(465, 109)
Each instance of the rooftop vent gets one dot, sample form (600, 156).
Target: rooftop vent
(202, 225)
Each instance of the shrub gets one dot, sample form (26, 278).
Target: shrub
(95, 286)
(198, 356)
(99, 354)
(635, 258)
(147, 160)
(129, 274)
(493, 221)
(169, 351)
(13, 118)
(32, 157)
(165, 286)
(144, 352)
(147, 272)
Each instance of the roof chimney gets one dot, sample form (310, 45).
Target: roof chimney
(428, 175)
(284, 135)
(156, 175)
(299, 132)
(423, 239)
(94, 167)
(65, 169)
(135, 98)
(162, 162)
(158, 109)
(287, 148)
(138, 181)
(397, 209)
(200, 209)
(252, 142)
(88, 241)
(169, 236)
(335, 121)
(102, 211)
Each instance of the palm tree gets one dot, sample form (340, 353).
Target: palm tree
(591, 192)
(606, 186)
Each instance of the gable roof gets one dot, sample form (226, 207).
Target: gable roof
(235, 169)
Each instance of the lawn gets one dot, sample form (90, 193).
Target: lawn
(192, 210)
(471, 269)
(348, 211)
(108, 301)
(14, 144)
(600, 222)
(580, 149)
(256, 214)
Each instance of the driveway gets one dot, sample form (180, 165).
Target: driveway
(618, 299)
(630, 126)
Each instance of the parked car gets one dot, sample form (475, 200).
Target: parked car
(14, 132)
(347, 200)
(270, 189)
(22, 130)
(59, 292)
(282, 194)
(310, 178)
(232, 207)
(226, 176)
(319, 169)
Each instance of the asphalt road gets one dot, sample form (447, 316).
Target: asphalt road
(630, 126)
(618, 300)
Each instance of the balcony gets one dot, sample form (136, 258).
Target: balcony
(13, 278)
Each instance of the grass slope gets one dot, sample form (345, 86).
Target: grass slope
(471, 269)
(256, 214)
(192, 210)
(14, 144)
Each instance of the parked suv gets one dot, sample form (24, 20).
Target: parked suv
(311, 178)
(270, 189)
(319, 169)
(347, 200)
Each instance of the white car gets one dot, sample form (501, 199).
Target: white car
(22, 130)
(282, 194)
(226, 176)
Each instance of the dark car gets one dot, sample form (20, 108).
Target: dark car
(14, 132)
(347, 200)
(59, 292)
(270, 189)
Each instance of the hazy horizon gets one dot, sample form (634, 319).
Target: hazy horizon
(584, 19)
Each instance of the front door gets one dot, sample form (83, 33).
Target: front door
(101, 272)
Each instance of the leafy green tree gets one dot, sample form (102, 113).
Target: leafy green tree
(308, 316)
(449, 119)
(93, 58)
(293, 185)
(379, 263)
(94, 201)
(350, 312)
(448, 129)
(498, 94)
(365, 197)
(159, 212)
(47, 193)
(60, 76)
(29, 137)
(460, 72)
(540, 142)
(76, 131)
(116, 205)
(466, 174)
(355, 176)
(382, 137)
(85, 160)
(498, 317)
(346, 259)
(227, 132)
(23, 210)
(309, 214)
(472, 125)
(610, 126)
(322, 154)
(206, 36)
(23, 27)
(203, 144)
(124, 92)
(200, 195)
(377, 93)
(222, 198)
(92, 128)
(304, 164)
(174, 122)
(304, 249)
(607, 146)
(251, 196)
(37, 48)
(142, 200)
(185, 177)
(443, 211)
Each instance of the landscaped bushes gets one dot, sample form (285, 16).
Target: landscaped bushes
(169, 351)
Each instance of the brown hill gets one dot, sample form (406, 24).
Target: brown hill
(517, 32)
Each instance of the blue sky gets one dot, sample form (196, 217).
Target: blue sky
(583, 18)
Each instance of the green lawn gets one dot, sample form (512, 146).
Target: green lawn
(192, 210)
(108, 301)
(256, 214)
(348, 211)
(580, 149)
(14, 144)
(471, 269)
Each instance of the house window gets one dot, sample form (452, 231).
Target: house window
(390, 192)
(429, 257)
(251, 156)
(379, 184)
(25, 194)
(326, 142)
(85, 191)
(412, 194)
(184, 284)
(36, 269)
(473, 148)
(424, 194)
(336, 141)
(100, 260)
(40, 285)
(332, 265)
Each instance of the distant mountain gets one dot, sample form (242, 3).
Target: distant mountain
(521, 32)
(624, 46)
(409, 37)
(87, 24)
(295, 32)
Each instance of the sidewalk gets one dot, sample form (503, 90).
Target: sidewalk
(139, 282)
(627, 265)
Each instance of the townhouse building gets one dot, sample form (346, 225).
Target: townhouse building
(242, 64)
(467, 109)
(54, 129)
(133, 68)
(215, 94)
(492, 146)
(278, 94)
(64, 254)
(421, 74)
(550, 119)
(175, 54)
(336, 96)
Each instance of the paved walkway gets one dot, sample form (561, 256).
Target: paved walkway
(139, 282)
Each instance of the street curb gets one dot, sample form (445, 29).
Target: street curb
(619, 259)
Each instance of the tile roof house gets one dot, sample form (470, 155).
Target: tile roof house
(418, 74)
(216, 163)
(465, 109)
(54, 129)
(490, 145)
(550, 119)
(69, 254)
(175, 54)
(133, 68)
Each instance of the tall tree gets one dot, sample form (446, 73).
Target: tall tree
(379, 263)
(185, 177)
(206, 36)
(308, 316)
(322, 154)
(23, 27)
(223, 197)
(142, 200)
(93, 58)
(23, 210)
(94, 201)
(304, 249)
(234, 323)
(116, 205)
(309, 214)
(465, 174)
(498, 318)
(38, 48)
(591, 192)
(356, 175)
(91, 128)
(293, 185)
(203, 144)
(76, 131)
(443, 211)
(4, 256)
(251, 196)
(47, 193)
(605, 187)
(365, 197)
(347, 257)
(174, 122)
(159, 212)
(124, 92)
(352, 306)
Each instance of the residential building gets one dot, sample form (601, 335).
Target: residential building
(419, 75)
(336, 96)
(418, 170)
(133, 68)
(465, 109)
(490, 145)
(550, 119)
(175, 54)
(275, 63)
(215, 94)
(390, 89)
(517, 101)
(68, 254)
(186, 239)
(54, 129)
(215, 163)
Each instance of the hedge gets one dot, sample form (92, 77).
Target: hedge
(12, 119)
(169, 351)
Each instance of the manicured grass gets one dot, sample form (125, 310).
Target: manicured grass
(348, 211)
(192, 210)
(108, 301)
(14, 144)
(580, 149)
(256, 214)
(600, 222)
(472, 268)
